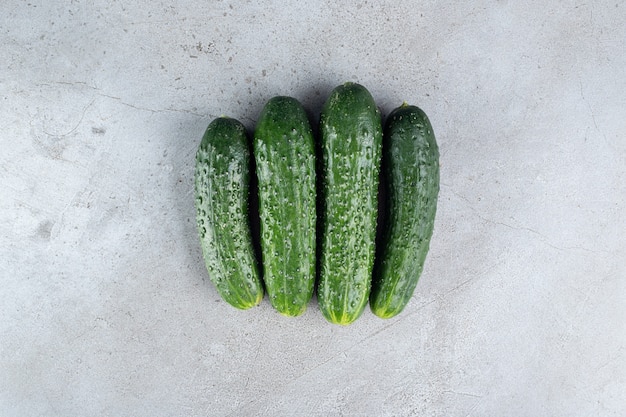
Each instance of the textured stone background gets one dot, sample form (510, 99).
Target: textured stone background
(105, 305)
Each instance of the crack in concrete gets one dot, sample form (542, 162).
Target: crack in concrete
(593, 118)
(62, 135)
(465, 394)
(100, 93)
(542, 238)
(133, 106)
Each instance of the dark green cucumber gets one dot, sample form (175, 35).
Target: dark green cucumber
(411, 173)
(222, 178)
(284, 152)
(351, 132)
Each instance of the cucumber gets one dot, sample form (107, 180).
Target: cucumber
(411, 175)
(351, 133)
(284, 152)
(222, 176)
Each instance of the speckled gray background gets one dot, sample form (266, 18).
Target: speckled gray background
(105, 305)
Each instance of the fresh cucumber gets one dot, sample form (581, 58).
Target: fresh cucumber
(222, 176)
(411, 175)
(284, 152)
(351, 133)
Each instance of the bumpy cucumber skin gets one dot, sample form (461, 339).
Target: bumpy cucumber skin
(411, 174)
(222, 176)
(284, 151)
(351, 132)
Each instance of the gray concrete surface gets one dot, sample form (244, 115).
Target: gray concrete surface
(105, 305)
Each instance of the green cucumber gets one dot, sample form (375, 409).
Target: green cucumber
(351, 132)
(284, 151)
(222, 176)
(411, 175)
